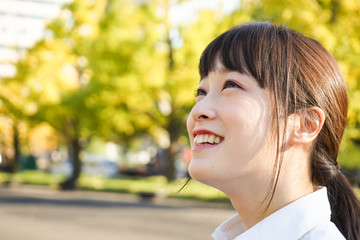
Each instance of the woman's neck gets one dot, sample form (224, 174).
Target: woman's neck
(254, 207)
(251, 202)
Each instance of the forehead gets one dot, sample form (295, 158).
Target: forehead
(220, 68)
(244, 78)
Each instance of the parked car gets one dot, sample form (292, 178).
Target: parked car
(94, 164)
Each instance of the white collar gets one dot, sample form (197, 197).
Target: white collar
(289, 222)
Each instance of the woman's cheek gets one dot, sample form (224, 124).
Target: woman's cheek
(190, 126)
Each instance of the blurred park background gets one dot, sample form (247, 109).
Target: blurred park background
(95, 94)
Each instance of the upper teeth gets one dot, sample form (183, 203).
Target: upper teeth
(207, 138)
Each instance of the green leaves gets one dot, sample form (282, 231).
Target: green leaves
(116, 69)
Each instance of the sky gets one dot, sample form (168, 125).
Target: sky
(187, 11)
(22, 22)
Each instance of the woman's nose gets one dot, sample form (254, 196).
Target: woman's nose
(203, 110)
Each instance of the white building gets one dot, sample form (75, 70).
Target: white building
(22, 23)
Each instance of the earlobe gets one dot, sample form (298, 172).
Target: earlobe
(307, 125)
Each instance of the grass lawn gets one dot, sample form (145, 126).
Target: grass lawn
(133, 185)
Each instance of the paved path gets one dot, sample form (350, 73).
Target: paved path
(33, 213)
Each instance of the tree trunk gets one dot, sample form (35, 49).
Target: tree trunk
(170, 168)
(74, 149)
(16, 145)
(174, 126)
(173, 129)
(74, 153)
(334, 10)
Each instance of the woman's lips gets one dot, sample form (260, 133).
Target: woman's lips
(204, 132)
(204, 139)
(202, 147)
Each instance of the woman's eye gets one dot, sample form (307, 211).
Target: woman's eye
(200, 92)
(231, 84)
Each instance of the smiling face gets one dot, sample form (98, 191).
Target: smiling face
(228, 129)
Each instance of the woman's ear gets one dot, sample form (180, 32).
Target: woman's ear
(306, 125)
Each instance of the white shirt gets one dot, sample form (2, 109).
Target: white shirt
(307, 218)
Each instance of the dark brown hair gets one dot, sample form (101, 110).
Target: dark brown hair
(299, 73)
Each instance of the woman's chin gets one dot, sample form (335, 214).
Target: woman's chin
(200, 173)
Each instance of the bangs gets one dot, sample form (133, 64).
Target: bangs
(247, 49)
(229, 48)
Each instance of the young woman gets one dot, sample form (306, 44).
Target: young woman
(269, 116)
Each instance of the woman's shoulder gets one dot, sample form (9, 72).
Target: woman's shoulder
(326, 231)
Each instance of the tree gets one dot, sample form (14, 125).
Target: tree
(150, 79)
(127, 66)
(51, 84)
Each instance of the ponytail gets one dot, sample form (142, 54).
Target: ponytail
(345, 206)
